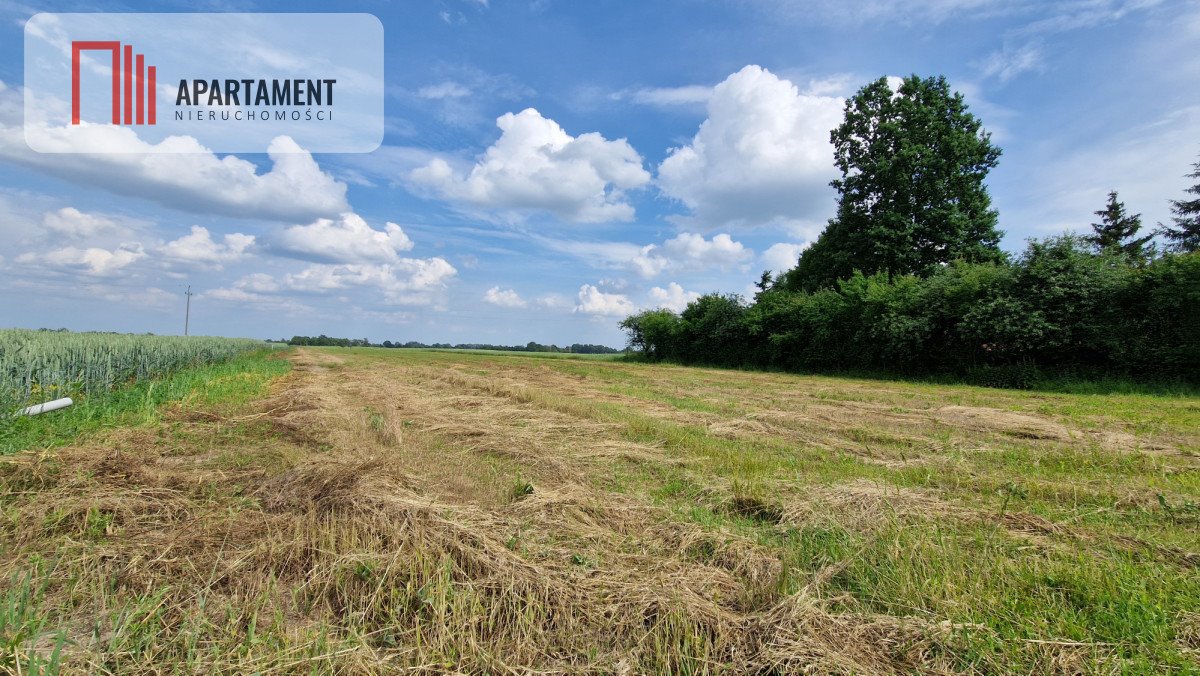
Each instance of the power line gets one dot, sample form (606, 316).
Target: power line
(187, 316)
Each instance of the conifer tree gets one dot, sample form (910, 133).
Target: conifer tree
(1184, 235)
(1117, 230)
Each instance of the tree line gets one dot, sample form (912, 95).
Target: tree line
(531, 346)
(908, 276)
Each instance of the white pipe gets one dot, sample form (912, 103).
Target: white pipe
(47, 407)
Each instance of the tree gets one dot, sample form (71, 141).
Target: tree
(653, 332)
(712, 330)
(1117, 230)
(911, 197)
(764, 281)
(1184, 235)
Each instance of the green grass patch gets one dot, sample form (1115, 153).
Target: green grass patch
(215, 387)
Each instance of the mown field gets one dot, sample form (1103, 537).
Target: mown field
(373, 511)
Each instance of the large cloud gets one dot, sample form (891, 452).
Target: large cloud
(178, 172)
(762, 156)
(535, 165)
(348, 239)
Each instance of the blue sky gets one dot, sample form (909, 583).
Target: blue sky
(550, 166)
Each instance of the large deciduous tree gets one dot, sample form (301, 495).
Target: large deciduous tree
(911, 196)
(1184, 235)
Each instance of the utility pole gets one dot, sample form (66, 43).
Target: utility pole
(187, 316)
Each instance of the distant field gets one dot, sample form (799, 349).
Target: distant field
(383, 510)
(535, 355)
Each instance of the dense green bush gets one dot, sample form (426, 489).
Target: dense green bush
(1059, 308)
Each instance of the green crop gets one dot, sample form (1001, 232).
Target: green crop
(38, 366)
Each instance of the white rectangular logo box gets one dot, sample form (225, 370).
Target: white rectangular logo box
(221, 82)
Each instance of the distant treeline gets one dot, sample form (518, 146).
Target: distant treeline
(1058, 309)
(574, 348)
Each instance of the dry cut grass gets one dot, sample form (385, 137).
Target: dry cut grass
(380, 512)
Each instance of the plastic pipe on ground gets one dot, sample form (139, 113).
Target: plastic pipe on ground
(47, 407)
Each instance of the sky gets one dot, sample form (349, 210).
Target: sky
(550, 167)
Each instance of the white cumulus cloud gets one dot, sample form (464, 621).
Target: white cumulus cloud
(347, 239)
(593, 301)
(673, 298)
(782, 256)
(355, 259)
(536, 165)
(73, 223)
(408, 281)
(200, 247)
(408, 274)
(258, 282)
(503, 297)
(762, 156)
(691, 251)
(684, 252)
(92, 260)
(178, 172)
